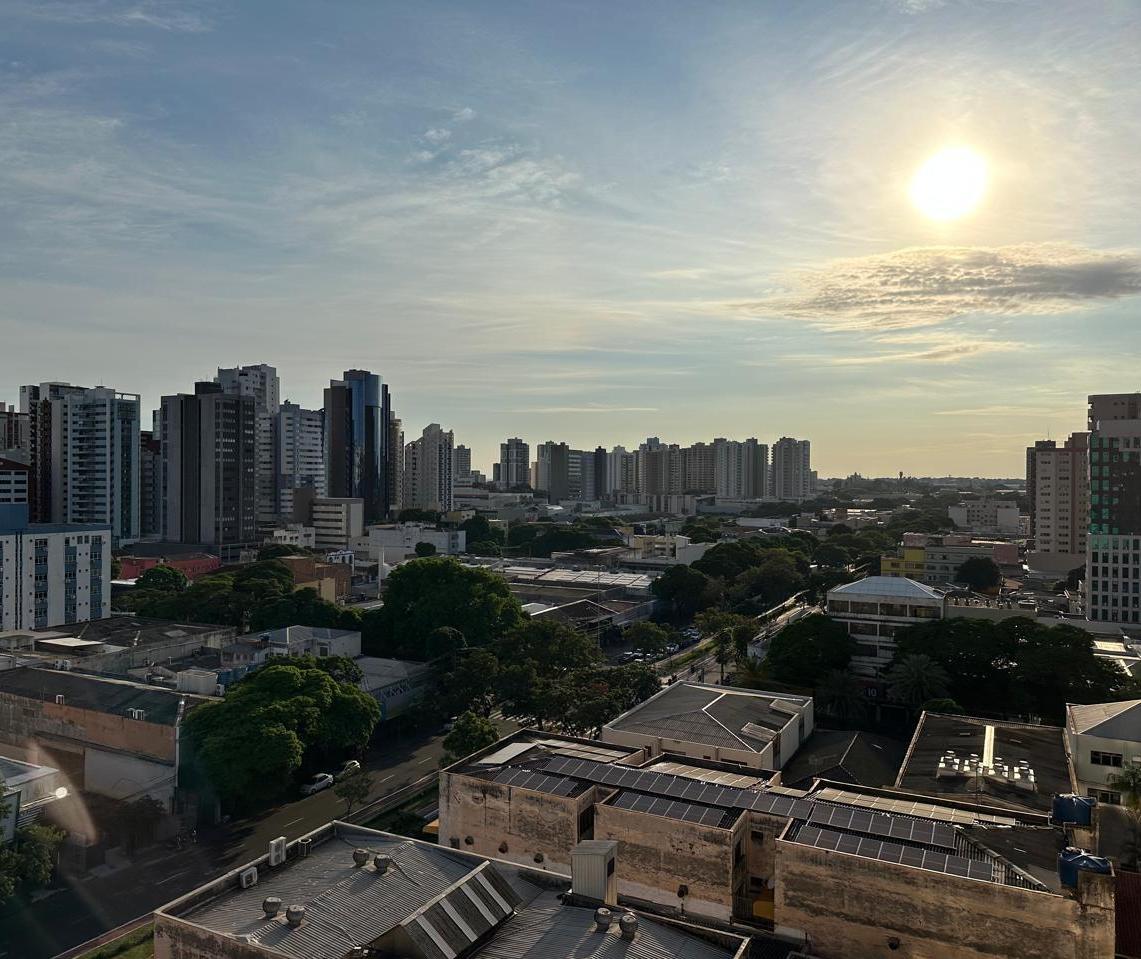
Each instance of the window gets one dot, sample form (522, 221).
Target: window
(1098, 758)
(1105, 795)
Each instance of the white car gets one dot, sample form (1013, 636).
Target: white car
(350, 768)
(316, 784)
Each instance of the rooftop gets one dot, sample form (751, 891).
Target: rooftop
(97, 693)
(1012, 765)
(724, 716)
(415, 899)
(1107, 720)
(129, 631)
(863, 759)
(896, 587)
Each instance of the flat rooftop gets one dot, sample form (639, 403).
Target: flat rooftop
(724, 716)
(420, 900)
(128, 631)
(97, 693)
(1012, 765)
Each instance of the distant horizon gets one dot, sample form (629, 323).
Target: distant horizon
(906, 230)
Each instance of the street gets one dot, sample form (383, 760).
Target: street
(92, 904)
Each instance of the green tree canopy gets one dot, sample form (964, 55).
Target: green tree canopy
(425, 549)
(479, 530)
(353, 790)
(470, 734)
(686, 590)
(425, 594)
(164, 579)
(914, 679)
(832, 555)
(646, 636)
(980, 573)
(253, 742)
(806, 651)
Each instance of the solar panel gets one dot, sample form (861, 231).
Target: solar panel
(980, 870)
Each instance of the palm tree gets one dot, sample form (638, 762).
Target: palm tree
(1128, 783)
(840, 694)
(915, 679)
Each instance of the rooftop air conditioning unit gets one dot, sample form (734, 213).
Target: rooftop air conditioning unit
(277, 851)
(248, 877)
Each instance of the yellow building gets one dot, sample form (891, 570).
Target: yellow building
(910, 562)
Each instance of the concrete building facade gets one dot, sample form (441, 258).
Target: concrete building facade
(299, 455)
(514, 463)
(428, 480)
(1057, 484)
(260, 382)
(1104, 739)
(358, 420)
(792, 470)
(874, 609)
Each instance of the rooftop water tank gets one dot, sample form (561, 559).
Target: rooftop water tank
(1071, 808)
(1072, 860)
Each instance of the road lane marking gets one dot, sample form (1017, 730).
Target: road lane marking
(172, 878)
(428, 759)
(292, 821)
(388, 777)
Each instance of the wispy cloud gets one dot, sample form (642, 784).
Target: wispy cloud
(157, 14)
(584, 409)
(927, 286)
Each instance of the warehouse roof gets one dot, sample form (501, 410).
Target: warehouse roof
(98, 693)
(894, 586)
(1107, 720)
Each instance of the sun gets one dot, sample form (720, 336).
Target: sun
(950, 184)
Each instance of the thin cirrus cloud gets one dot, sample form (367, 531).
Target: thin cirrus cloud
(157, 14)
(928, 286)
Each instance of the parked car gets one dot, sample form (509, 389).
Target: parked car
(449, 725)
(350, 768)
(316, 784)
(672, 648)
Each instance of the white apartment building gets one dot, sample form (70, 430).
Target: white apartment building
(13, 482)
(792, 470)
(514, 463)
(299, 453)
(987, 514)
(874, 609)
(428, 470)
(740, 469)
(1113, 548)
(52, 574)
(1103, 738)
(1058, 485)
(336, 521)
(622, 471)
(396, 541)
(262, 383)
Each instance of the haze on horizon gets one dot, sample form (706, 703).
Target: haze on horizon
(587, 221)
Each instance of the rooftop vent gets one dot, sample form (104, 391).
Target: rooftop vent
(271, 906)
(628, 924)
(304, 847)
(360, 857)
(295, 915)
(602, 918)
(381, 862)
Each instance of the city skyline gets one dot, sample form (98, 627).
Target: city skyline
(702, 223)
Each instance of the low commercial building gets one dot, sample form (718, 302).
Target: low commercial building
(747, 728)
(1103, 738)
(874, 609)
(26, 790)
(192, 565)
(332, 581)
(845, 870)
(394, 542)
(987, 514)
(295, 535)
(344, 891)
(935, 560)
(394, 683)
(107, 736)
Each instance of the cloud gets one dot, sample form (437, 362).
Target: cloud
(584, 409)
(437, 135)
(157, 14)
(928, 286)
(463, 115)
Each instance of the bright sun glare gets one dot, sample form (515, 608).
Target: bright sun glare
(950, 184)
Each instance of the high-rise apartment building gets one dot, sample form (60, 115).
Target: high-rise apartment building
(150, 485)
(299, 454)
(514, 463)
(13, 433)
(740, 468)
(358, 416)
(622, 470)
(461, 464)
(1113, 548)
(553, 471)
(13, 485)
(209, 467)
(84, 457)
(394, 463)
(262, 383)
(661, 470)
(428, 470)
(1059, 504)
(792, 470)
(700, 463)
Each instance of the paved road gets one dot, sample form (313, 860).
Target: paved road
(92, 905)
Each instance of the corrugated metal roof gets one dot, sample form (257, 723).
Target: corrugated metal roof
(547, 929)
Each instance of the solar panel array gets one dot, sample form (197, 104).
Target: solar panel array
(675, 809)
(526, 779)
(881, 824)
(908, 807)
(892, 852)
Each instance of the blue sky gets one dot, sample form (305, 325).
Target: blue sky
(583, 220)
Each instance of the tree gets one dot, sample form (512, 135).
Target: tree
(424, 594)
(1128, 783)
(274, 720)
(411, 515)
(466, 682)
(831, 555)
(28, 862)
(840, 695)
(470, 734)
(425, 549)
(806, 651)
(341, 668)
(277, 550)
(354, 790)
(915, 679)
(943, 705)
(165, 579)
(686, 590)
(731, 634)
(980, 573)
(479, 530)
(647, 636)
(772, 581)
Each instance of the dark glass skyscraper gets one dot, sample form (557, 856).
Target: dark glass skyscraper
(357, 417)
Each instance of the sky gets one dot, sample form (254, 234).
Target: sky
(585, 221)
